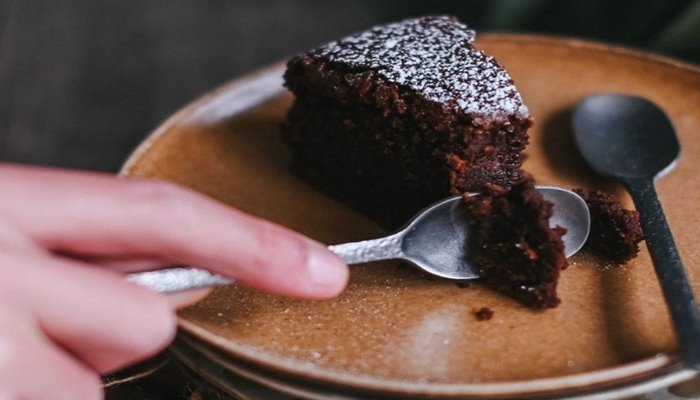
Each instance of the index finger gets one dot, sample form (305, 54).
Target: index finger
(97, 214)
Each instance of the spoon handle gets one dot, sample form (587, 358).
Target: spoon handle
(178, 279)
(385, 248)
(669, 270)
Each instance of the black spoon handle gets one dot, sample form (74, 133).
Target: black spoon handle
(669, 269)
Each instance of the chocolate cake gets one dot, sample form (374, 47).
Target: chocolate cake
(395, 118)
(513, 247)
(615, 232)
(402, 115)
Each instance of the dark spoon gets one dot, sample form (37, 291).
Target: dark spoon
(631, 139)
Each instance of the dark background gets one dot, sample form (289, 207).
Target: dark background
(83, 81)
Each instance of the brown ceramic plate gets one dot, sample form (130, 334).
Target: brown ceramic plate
(394, 329)
(203, 370)
(234, 376)
(237, 380)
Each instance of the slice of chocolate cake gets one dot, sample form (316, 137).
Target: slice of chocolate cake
(515, 250)
(615, 232)
(402, 115)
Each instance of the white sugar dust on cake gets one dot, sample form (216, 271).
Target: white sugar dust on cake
(433, 56)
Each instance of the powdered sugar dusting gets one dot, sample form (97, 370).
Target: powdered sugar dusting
(434, 57)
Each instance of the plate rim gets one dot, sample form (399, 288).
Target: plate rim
(650, 374)
(663, 365)
(282, 382)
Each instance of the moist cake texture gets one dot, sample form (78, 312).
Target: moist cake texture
(395, 118)
(402, 115)
(615, 232)
(513, 246)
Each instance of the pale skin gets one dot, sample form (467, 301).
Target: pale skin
(66, 239)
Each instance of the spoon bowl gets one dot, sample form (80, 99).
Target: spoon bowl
(625, 136)
(434, 240)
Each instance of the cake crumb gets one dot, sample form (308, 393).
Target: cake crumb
(513, 247)
(483, 314)
(615, 232)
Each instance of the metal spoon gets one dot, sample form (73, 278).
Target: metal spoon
(631, 139)
(434, 240)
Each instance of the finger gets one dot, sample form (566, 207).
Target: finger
(94, 313)
(11, 238)
(126, 264)
(158, 219)
(31, 367)
(183, 299)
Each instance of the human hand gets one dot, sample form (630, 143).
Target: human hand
(67, 237)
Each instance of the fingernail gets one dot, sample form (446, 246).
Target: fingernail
(326, 270)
